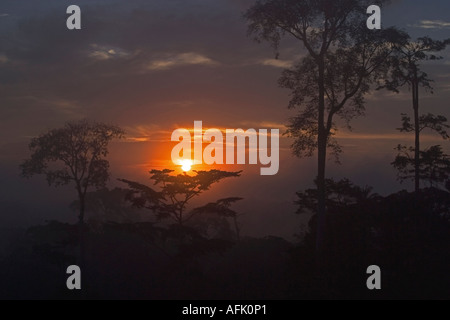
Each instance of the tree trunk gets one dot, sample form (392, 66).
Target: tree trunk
(236, 226)
(82, 208)
(321, 160)
(415, 92)
(81, 233)
(81, 199)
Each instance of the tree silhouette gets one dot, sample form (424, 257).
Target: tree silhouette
(74, 153)
(342, 193)
(171, 201)
(434, 165)
(337, 69)
(222, 207)
(350, 209)
(405, 70)
(348, 75)
(407, 165)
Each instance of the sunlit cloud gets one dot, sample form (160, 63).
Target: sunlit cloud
(277, 63)
(432, 24)
(145, 133)
(181, 59)
(262, 125)
(99, 52)
(154, 133)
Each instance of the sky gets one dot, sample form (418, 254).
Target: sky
(157, 65)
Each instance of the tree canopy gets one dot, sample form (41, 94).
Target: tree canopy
(74, 153)
(170, 202)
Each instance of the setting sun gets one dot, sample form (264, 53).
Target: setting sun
(186, 164)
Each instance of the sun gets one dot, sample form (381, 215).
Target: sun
(186, 164)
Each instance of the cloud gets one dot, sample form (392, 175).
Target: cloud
(143, 133)
(262, 125)
(2, 15)
(385, 95)
(181, 59)
(107, 52)
(445, 75)
(384, 136)
(445, 87)
(277, 63)
(432, 24)
(51, 104)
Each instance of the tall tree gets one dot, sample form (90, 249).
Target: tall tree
(340, 64)
(74, 154)
(406, 71)
(348, 75)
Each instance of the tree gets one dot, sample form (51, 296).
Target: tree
(222, 207)
(407, 165)
(340, 194)
(170, 201)
(176, 191)
(348, 75)
(434, 165)
(405, 70)
(331, 32)
(74, 154)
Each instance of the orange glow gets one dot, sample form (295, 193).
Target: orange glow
(150, 148)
